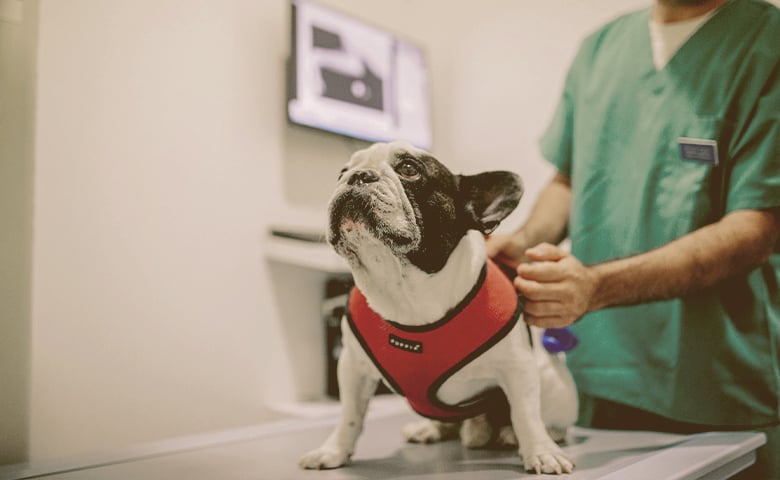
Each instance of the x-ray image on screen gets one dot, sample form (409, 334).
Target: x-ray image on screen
(340, 80)
(355, 79)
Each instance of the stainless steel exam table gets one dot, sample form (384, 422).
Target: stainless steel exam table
(271, 451)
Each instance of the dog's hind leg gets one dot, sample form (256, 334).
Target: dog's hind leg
(429, 431)
(506, 437)
(476, 432)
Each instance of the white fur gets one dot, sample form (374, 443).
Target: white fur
(539, 387)
(405, 294)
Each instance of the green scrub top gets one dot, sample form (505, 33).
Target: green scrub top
(653, 155)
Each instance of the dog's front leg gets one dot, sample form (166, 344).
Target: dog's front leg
(356, 387)
(539, 452)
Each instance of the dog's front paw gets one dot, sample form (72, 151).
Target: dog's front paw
(546, 459)
(324, 458)
(428, 431)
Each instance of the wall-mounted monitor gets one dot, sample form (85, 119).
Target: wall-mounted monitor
(350, 77)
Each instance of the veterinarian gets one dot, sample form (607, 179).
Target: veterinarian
(667, 148)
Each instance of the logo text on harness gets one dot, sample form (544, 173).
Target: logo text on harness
(404, 344)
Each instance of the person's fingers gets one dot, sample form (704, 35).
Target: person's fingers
(542, 271)
(545, 252)
(536, 291)
(543, 308)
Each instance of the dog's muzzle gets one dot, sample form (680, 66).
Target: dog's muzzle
(368, 203)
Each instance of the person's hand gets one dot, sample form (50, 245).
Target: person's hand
(506, 249)
(557, 287)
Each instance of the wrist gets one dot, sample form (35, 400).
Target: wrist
(599, 297)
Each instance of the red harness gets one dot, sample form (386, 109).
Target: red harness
(416, 361)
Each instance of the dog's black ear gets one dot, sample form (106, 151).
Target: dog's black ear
(488, 198)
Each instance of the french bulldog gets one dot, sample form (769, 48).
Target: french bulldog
(434, 318)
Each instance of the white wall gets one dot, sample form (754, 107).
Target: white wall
(159, 155)
(508, 73)
(162, 154)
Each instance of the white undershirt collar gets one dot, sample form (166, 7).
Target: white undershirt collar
(667, 38)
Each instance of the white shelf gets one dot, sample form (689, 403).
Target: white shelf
(312, 255)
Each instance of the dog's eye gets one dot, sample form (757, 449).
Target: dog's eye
(408, 170)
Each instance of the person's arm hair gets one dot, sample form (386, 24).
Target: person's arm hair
(550, 215)
(559, 289)
(546, 223)
(737, 244)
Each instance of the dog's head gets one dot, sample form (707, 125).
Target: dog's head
(408, 201)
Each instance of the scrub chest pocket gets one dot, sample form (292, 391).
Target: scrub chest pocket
(691, 188)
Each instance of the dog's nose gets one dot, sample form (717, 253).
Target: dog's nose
(363, 176)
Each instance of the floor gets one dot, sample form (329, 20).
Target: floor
(271, 452)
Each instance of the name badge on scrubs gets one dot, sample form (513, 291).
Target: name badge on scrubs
(698, 150)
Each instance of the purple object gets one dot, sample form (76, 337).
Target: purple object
(556, 340)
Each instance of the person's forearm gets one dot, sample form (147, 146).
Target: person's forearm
(546, 223)
(550, 215)
(738, 243)
(559, 289)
